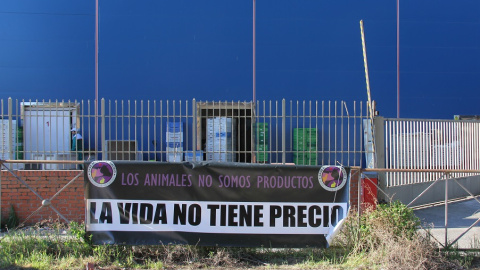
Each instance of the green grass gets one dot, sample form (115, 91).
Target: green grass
(379, 239)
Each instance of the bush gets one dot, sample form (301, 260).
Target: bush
(388, 237)
(12, 220)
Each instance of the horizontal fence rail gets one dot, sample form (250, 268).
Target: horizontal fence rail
(300, 132)
(420, 149)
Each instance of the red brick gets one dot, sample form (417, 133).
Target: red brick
(46, 183)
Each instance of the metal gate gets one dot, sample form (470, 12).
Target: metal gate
(43, 202)
(447, 177)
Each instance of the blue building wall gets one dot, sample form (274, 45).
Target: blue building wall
(306, 50)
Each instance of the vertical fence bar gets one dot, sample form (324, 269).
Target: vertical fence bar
(1, 164)
(341, 132)
(424, 150)
(348, 135)
(135, 112)
(155, 141)
(148, 131)
(329, 144)
(471, 141)
(323, 132)
(395, 147)
(335, 137)
(475, 148)
(404, 154)
(161, 116)
(284, 120)
(360, 132)
(391, 158)
(187, 130)
(392, 148)
(458, 147)
(9, 131)
(103, 132)
(276, 135)
(194, 129)
(268, 152)
(355, 153)
(167, 119)
(141, 132)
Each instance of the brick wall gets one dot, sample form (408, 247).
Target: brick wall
(354, 189)
(70, 202)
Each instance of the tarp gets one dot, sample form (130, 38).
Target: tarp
(214, 204)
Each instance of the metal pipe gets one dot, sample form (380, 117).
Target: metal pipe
(398, 58)
(1, 173)
(284, 140)
(254, 75)
(104, 148)
(194, 129)
(462, 234)
(446, 212)
(96, 73)
(423, 192)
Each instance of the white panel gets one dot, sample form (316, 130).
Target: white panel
(7, 144)
(47, 130)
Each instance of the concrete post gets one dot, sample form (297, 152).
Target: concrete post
(379, 142)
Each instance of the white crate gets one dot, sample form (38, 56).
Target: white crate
(174, 154)
(223, 157)
(198, 155)
(174, 137)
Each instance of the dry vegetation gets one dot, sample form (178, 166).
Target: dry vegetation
(385, 238)
(388, 238)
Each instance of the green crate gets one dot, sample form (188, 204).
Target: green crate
(304, 133)
(262, 157)
(262, 152)
(304, 146)
(302, 158)
(261, 133)
(262, 147)
(304, 139)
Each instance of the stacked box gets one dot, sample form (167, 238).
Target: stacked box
(7, 150)
(305, 146)
(305, 158)
(174, 140)
(261, 138)
(221, 139)
(198, 155)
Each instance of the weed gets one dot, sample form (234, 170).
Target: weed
(385, 235)
(12, 220)
(385, 238)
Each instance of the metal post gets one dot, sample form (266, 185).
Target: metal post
(254, 100)
(367, 78)
(104, 148)
(446, 212)
(1, 165)
(284, 156)
(379, 148)
(194, 129)
(9, 134)
(96, 74)
(398, 58)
